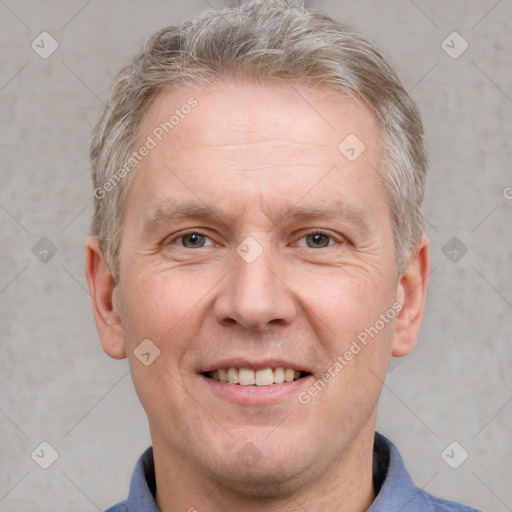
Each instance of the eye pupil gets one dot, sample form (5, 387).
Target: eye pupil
(193, 240)
(318, 240)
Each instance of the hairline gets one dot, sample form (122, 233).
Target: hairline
(403, 162)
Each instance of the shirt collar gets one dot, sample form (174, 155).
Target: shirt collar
(397, 489)
(142, 485)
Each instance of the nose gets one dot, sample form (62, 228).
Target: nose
(255, 295)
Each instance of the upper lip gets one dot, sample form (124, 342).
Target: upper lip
(259, 364)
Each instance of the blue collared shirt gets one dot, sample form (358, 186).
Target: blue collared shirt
(397, 491)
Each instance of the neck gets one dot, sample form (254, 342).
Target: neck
(343, 485)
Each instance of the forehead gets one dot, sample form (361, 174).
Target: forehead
(238, 113)
(260, 142)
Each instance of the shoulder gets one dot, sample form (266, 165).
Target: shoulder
(120, 507)
(435, 504)
(142, 487)
(398, 492)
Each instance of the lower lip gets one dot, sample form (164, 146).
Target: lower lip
(257, 395)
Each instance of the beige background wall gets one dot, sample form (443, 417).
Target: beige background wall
(56, 385)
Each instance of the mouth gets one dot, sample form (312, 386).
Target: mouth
(255, 377)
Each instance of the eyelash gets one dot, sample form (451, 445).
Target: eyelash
(197, 232)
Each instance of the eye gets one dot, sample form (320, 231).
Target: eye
(318, 240)
(193, 240)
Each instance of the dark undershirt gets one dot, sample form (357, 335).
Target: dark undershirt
(380, 462)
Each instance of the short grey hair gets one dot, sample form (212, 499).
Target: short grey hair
(260, 41)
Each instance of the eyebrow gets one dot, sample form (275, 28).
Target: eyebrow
(168, 211)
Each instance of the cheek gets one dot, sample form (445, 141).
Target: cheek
(343, 302)
(165, 309)
(161, 308)
(345, 313)
(356, 377)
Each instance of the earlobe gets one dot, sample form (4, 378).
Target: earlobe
(412, 293)
(102, 289)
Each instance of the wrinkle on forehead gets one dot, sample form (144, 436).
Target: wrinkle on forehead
(263, 143)
(260, 129)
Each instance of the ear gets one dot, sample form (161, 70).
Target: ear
(412, 294)
(102, 289)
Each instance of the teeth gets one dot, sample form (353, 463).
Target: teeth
(233, 376)
(246, 377)
(289, 374)
(279, 375)
(250, 377)
(264, 377)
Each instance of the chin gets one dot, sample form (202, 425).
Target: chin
(279, 474)
(265, 483)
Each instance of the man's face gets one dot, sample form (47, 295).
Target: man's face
(252, 241)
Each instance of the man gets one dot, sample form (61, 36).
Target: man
(257, 254)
